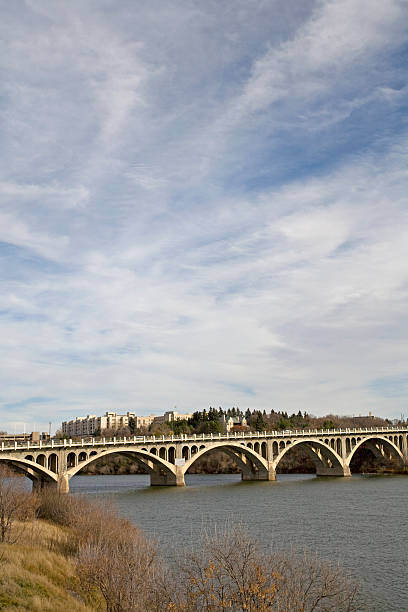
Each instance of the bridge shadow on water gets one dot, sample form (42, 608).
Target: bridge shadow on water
(140, 483)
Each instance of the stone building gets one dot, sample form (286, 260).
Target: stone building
(229, 423)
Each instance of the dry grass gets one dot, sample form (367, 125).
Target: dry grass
(35, 574)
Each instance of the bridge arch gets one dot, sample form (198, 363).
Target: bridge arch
(185, 452)
(324, 456)
(370, 442)
(171, 455)
(53, 462)
(245, 457)
(162, 452)
(71, 460)
(41, 460)
(153, 463)
(33, 470)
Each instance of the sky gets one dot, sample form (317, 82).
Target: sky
(203, 203)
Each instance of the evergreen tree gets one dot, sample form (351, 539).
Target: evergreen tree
(132, 425)
(260, 424)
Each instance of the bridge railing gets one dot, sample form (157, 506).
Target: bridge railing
(140, 440)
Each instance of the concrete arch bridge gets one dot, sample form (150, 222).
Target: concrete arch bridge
(167, 459)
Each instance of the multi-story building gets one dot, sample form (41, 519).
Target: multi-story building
(144, 421)
(171, 416)
(91, 424)
(87, 426)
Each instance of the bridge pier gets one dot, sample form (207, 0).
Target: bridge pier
(333, 471)
(267, 473)
(405, 449)
(63, 483)
(168, 479)
(39, 484)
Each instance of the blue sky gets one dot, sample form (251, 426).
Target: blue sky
(203, 203)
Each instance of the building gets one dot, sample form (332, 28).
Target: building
(144, 421)
(236, 423)
(171, 416)
(91, 424)
(34, 436)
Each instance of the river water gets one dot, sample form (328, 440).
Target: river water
(359, 522)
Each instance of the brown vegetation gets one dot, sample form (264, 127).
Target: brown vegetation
(16, 503)
(114, 562)
(36, 574)
(85, 557)
(234, 574)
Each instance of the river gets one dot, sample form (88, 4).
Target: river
(359, 522)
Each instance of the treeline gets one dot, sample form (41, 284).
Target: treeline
(80, 556)
(213, 421)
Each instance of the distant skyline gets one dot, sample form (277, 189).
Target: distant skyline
(203, 203)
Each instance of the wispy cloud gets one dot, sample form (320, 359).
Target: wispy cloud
(201, 206)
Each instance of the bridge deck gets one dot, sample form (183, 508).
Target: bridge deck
(190, 438)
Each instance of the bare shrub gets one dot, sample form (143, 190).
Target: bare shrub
(308, 584)
(234, 575)
(121, 564)
(230, 574)
(115, 562)
(16, 504)
(60, 508)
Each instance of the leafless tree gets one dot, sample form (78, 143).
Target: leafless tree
(307, 584)
(235, 575)
(117, 561)
(231, 574)
(17, 503)
(60, 508)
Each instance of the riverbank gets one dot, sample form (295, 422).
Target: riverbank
(81, 556)
(36, 573)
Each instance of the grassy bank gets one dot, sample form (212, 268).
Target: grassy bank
(36, 573)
